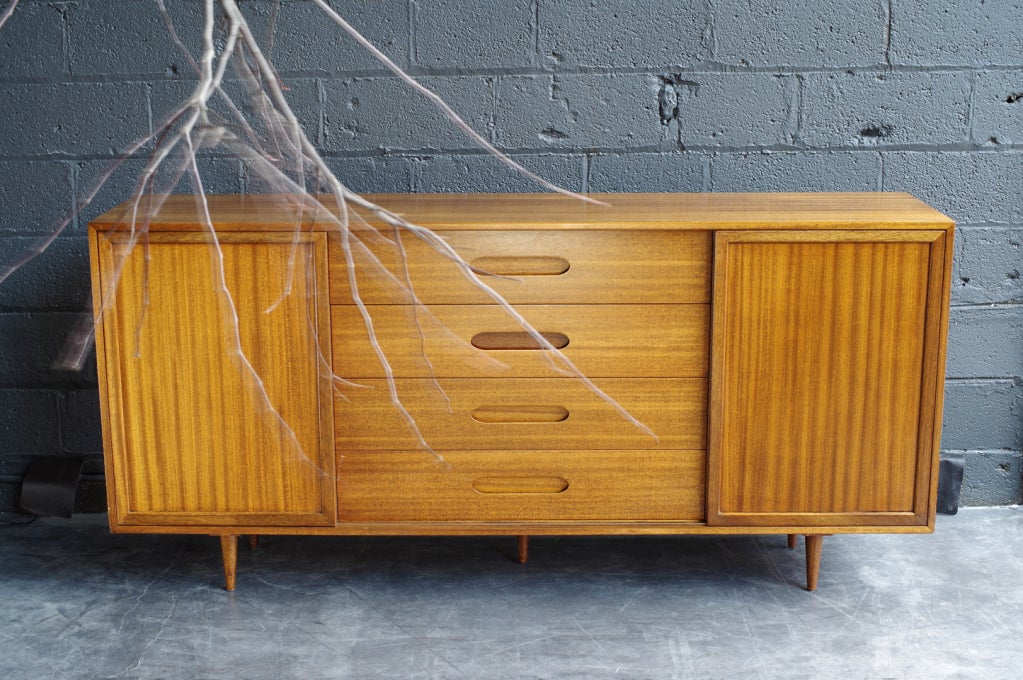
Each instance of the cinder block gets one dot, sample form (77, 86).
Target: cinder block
(971, 187)
(31, 344)
(485, 173)
(985, 342)
(24, 185)
(307, 41)
(10, 492)
(80, 422)
(998, 107)
(375, 174)
(939, 33)
(796, 171)
(219, 174)
(988, 266)
(884, 109)
(992, 478)
(55, 279)
(454, 34)
(110, 182)
(623, 33)
(579, 112)
(302, 95)
(678, 171)
(763, 33)
(32, 42)
(736, 109)
(121, 37)
(71, 119)
(30, 421)
(983, 414)
(362, 114)
(13, 466)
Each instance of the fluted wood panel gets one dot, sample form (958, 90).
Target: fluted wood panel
(823, 359)
(194, 435)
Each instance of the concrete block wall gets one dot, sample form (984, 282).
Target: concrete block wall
(922, 96)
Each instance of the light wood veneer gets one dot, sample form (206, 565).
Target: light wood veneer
(787, 350)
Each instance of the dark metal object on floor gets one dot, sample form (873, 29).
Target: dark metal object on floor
(950, 482)
(49, 486)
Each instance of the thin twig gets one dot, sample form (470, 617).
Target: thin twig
(444, 107)
(8, 12)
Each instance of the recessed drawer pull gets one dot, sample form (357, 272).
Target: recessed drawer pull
(516, 340)
(520, 485)
(520, 414)
(526, 265)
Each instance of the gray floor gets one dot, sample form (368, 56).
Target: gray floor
(78, 602)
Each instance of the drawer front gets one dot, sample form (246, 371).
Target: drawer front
(483, 340)
(534, 267)
(523, 414)
(393, 486)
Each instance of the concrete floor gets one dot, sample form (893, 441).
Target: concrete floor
(78, 602)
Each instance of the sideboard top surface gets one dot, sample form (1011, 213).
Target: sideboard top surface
(454, 212)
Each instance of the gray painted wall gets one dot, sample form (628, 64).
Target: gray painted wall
(616, 95)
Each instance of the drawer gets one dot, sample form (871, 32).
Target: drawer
(534, 267)
(392, 486)
(483, 340)
(523, 414)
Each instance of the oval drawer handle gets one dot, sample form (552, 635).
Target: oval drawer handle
(520, 485)
(516, 340)
(520, 414)
(525, 265)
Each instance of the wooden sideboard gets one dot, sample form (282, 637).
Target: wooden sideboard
(786, 351)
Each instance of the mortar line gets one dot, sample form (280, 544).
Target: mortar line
(537, 61)
(413, 55)
(970, 109)
(494, 84)
(321, 115)
(700, 68)
(65, 38)
(888, 35)
(73, 170)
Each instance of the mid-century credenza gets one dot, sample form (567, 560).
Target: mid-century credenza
(784, 354)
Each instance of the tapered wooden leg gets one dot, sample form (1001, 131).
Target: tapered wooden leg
(793, 538)
(229, 548)
(253, 541)
(813, 560)
(523, 549)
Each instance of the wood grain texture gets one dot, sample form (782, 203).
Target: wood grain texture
(517, 212)
(608, 485)
(648, 252)
(603, 340)
(191, 437)
(675, 409)
(823, 358)
(552, 527)
(604, 267)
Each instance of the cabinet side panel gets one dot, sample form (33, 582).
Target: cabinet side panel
(219, 396)
(823, 343)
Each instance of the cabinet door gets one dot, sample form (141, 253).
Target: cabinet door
(826, 377)
(215, 409)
